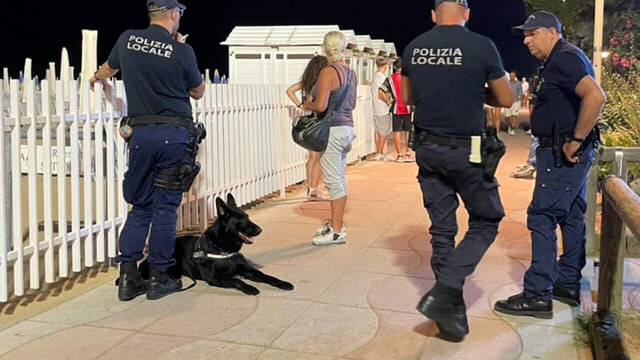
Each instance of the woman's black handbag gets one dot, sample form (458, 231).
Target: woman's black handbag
(312, 131)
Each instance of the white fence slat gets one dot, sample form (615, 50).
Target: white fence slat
(99, 175)
(87, 175)
(16, 190)
(4, 241)
(111, 176)
(34, 258)
(47, 189)
(76, 247)
(61, 136)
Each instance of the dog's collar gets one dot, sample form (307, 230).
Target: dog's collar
(199, 253)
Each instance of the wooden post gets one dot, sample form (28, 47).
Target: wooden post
(597, 38)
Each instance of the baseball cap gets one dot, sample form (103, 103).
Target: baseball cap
(538, 19)
(459, 2)
(166, 4)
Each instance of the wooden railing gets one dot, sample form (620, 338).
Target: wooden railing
(620, 207)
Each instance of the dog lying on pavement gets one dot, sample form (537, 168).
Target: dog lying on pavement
(215, 256)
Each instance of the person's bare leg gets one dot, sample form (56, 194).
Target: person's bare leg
(315, 170)
(496, 119)
(381, 143)
(406, 142)
(337, 212)
(397, 141)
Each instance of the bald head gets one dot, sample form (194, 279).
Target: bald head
(450, 13)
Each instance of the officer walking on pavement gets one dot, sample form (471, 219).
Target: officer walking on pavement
(160, 73)
(443, 74)
(568, 104)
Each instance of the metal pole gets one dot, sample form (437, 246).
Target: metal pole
(597, 39)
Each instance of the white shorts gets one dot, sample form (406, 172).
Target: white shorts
(513, 110)
(383, 124)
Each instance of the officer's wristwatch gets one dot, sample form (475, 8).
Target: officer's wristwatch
(576, 139)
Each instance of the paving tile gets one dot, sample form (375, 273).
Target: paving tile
(352, 289)
(424, 269)
(145, 312)
(546, 342)
(331, 330)
(270, 318)
(80, 342)
(384, 261)
(207, 350)
(399, 293)
(205, 315)
(487, 340)
(26, 332)
(395, 338)
(145, 347)
(96, 304)
(272, 354)
(309, 282)
(499, 270)
(400, 240)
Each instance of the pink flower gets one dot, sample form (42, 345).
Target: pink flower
(616, 57)
(627, 36)
(624, 63)
(629, 24)
(613, 41)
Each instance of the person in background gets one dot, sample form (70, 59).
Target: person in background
(524, 101)
(511, 113)
(333, 81)
(401, 117)
(306, 86)
(568, 104)
(162, 141)
(381, 103)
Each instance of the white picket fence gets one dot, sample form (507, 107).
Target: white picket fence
(66, 211)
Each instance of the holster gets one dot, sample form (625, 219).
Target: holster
(493, 149)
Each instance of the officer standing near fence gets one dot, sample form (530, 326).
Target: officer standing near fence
(160, 73)
(443, 74)
(568, 104)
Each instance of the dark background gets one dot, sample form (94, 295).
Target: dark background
(39, 30)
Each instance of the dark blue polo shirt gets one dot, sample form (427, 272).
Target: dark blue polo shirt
(556, 97)
(448, 67)
(157, 72)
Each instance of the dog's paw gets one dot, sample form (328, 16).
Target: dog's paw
(285, 285)
(250, 290)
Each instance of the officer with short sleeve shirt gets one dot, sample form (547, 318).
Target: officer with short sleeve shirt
(443, 74)
(568, 104)
(160, 74)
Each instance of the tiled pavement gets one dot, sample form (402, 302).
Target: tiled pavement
(353, 301)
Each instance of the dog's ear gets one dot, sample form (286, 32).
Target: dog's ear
(231, 202)
(221, 206)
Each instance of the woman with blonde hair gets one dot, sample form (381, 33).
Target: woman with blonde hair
(306, 87)
(335, 79)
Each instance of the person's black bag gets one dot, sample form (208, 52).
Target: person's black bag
(312, 131)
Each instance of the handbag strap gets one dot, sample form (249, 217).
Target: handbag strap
(344, 91)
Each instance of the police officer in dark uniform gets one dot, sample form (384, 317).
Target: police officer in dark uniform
(568, 104)
(160, 73)
(443, 74)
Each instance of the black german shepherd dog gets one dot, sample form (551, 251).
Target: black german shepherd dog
(215, 256)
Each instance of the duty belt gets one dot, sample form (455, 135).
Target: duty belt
(193, 127)
(548, 141)
(443, 140)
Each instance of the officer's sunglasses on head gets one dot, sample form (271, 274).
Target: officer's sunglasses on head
(180, 11)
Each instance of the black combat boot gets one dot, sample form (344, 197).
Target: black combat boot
(161, 284)
(130, 284)
(446, 307)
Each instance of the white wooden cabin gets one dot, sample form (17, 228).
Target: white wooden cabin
(366, 65)
(275, 54)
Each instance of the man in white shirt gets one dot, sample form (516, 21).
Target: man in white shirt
(525, 93)
(381, 103)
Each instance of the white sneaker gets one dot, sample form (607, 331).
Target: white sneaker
(386, 158)
(330, 237)
(378, 157)
(322, 229)
(511, 132)
(529, 132)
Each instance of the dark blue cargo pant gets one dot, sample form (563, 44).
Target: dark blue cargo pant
(152, 147)
(559, 198)
(445, 173)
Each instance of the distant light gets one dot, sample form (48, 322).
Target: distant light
(604, 54)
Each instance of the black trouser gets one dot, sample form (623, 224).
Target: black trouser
(444, 173)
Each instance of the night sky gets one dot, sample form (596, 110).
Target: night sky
(45, 27)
